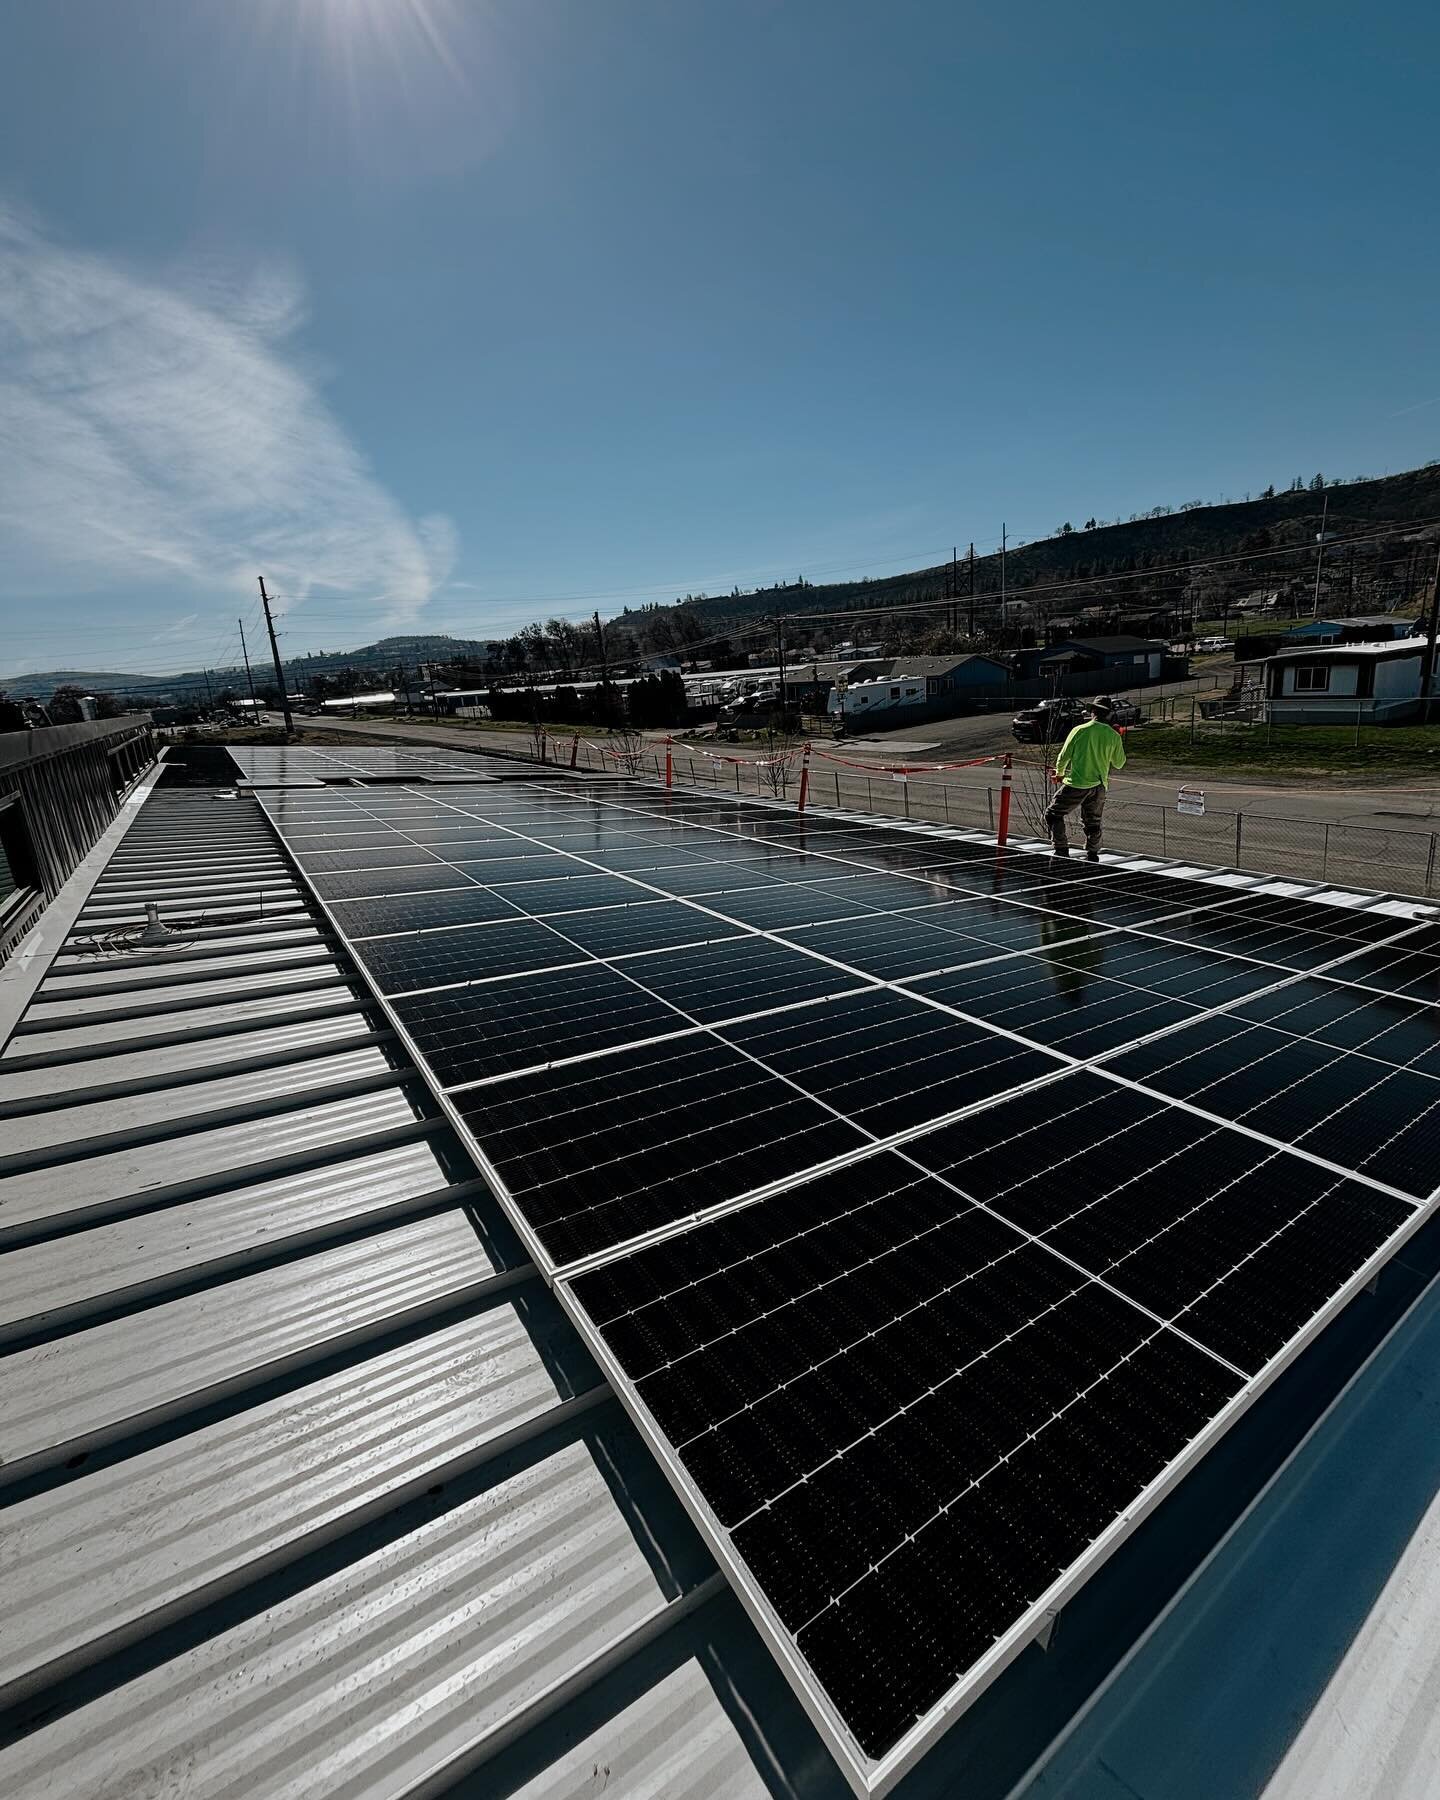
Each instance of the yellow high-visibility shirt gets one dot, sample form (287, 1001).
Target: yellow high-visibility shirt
(1088, 755)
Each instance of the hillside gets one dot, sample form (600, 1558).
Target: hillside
(377, 658)
(1264, 529)
(1138, 563)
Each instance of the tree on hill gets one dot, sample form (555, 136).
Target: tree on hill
(64, 706)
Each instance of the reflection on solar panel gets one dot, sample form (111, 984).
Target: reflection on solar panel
(932, 1210)
(298, 765)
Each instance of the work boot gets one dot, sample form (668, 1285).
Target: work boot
(1092, 856)
(1059, 855)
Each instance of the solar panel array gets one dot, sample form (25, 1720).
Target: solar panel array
(932, 1209)
(298, 765)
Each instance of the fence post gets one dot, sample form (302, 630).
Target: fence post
(737, 778)
(990, 805)
(869, 797)
(905, 793)
(574, 749)
(1325, 855)
(669, 763)
(945, 796)
(1430, 865)
(804, 777)
(1004, 832)
(1239, 822)
(837, 790)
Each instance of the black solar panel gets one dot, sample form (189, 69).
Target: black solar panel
(469, 1034)
(420, 911)
(429, 959)
(1059, 1004)
(883, 1394)
(930, 1207)
(600, 1152)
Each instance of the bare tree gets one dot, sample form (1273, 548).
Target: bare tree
(628, 749)
(568, 643)
(781, 756)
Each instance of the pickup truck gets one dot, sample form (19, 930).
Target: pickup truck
(1046, 723)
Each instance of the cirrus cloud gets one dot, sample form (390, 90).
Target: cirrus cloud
(153, 430)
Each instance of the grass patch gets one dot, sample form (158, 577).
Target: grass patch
(1290, 750)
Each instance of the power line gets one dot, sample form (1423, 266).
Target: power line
(1157, 573)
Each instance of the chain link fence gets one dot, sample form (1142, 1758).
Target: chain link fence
(1400, 861)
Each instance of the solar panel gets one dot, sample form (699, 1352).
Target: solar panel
(304, 766)
(931, 1209)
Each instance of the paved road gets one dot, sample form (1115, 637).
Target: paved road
(1412, 804)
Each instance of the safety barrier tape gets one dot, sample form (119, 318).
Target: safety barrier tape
(871, 768)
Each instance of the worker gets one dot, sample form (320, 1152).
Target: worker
(1083, 768)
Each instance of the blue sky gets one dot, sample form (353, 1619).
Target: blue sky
(449, 315)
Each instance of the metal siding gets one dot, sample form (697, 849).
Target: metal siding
(67, 794)
(60, 1192)
(87, 1383)
(69, 1272)
(675, 1742)
(375, 1677)
(123, 973)
(87, 1032)
(49, 1010)
(180, 1060)
(93, 1125)
(144, 1534)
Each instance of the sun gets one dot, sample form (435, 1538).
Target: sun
(365, 39)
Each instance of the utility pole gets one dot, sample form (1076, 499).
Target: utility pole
(1002, 583)
(1320, 554)
(780, 643)
(954, 592)
(604, 655)
(972, 590)
(246, 654)
(275, 658)
(209, 691)
(1427, 670)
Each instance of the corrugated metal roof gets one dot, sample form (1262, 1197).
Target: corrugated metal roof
(309, 1487)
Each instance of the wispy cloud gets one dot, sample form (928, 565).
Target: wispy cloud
(168, 430)
(1419, 406)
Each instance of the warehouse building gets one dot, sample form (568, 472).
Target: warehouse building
(311, 1487)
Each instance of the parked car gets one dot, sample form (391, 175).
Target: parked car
(1213, 643)
(1125, 712)
(1046, 723)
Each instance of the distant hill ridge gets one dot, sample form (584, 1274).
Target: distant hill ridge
(1161, 539)
(1189, 533)
(385, 653)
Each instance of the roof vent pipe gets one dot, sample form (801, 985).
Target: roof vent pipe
(154, 932)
